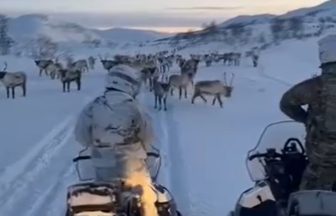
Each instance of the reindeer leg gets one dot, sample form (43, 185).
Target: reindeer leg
(185, 92)
(194, 97)
(160, 103)
(78, 84)
(214, 100)
(165, 103)
(7, 91)
(180, 93)
(203, 98)
(220, 100)
(41, 71)
(63, 83)
(155, 101)
(151, 85)
(13, 92)
(172, 91)
(24, 89)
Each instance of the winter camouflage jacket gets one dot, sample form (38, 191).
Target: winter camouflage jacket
(116, 129)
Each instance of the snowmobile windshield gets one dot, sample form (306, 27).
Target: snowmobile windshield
(274, 137)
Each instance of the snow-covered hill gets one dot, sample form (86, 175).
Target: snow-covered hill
(28, 27)
(260, 30)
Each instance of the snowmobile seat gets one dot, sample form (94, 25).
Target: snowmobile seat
(266, 208)
(312, 203)
(91, 197)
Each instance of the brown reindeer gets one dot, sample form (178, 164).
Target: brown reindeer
(68, 76)
(43, 65)
(215, 88)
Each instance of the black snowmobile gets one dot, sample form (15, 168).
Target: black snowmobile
(276, 166)
(92, 198)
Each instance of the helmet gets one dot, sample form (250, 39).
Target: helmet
(124, 78)
(327, 49)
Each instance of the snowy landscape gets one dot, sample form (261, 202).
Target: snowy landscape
(203, 147)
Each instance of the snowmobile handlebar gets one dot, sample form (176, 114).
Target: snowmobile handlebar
(81, 158)
(87, 157)
(271, 153)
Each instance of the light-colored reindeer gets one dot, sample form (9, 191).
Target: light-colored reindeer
(215, 88)
(161, 91)
(11, 80)
(180, 82)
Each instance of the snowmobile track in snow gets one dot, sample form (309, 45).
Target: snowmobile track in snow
(177, 180)
(36, 168)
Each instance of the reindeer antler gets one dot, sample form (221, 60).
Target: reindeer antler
(233, 76)
(6, 65)
(225, 80)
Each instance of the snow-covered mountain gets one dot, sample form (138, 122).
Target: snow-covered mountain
(260, 30)
(28, 27)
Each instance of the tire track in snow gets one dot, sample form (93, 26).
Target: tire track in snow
(28, 185)
(167, 140)
(50, 162)
(23, 164)
(54, 198)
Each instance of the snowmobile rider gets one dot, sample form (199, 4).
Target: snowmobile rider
(118, 133)
(319, 93)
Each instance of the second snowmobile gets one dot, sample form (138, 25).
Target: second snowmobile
(92, 198)
(276, 166)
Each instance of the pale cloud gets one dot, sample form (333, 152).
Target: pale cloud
(205, 8)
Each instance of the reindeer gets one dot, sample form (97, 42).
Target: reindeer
(54, 69)
(80, 65)
(68, 76)
(181, 82)
(149, 74)
(92, 62)
(190, 67)
(161, 91)
(107, 64)
(215, 88)
(43, 65)
(11, 80)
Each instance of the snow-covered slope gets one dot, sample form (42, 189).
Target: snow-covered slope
(203, 146)
(262, 30)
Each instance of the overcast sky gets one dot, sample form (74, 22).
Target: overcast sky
(169, 15)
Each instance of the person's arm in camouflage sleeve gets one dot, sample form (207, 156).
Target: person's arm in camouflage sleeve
(299, 95)
(83, 127)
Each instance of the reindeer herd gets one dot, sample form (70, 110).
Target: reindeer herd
(155, 71)
(162, 85)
